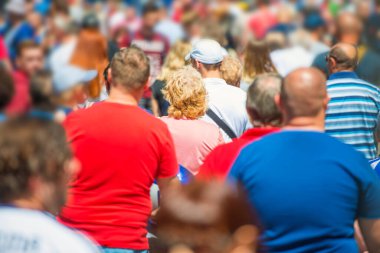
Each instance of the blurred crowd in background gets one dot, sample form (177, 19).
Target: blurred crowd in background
(220, 74)
(266, 36)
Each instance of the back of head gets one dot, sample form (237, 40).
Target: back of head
(130, 68)
(7, 88)
(261, 104)
(257, 59)
(175, 59)
(186, 93)
(213, 215)
(25, 154)
(348, 27)
(303, 93)
(41, 90)
(342, 57)
(231, 70)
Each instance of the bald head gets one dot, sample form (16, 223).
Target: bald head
(348, 27)
(303, 94)
(342, 57)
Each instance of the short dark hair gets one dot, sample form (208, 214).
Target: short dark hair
(7, 88)
(27, 44)
(130, 68)
(41, 90)
(30, 147)
(150, 7)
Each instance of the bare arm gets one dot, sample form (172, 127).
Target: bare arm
(370, 229)
(168, 182)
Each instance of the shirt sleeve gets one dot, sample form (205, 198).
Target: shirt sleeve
(168, 166)
(369, 198)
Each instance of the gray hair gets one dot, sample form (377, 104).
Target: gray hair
(260, 100)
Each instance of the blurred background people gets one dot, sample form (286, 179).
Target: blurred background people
(256, 61)
(174, 61)
(349, 29)
(91, 53)
(30, 59)
(193, 138)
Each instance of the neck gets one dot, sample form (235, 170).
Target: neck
(333, 71)
(28, 204)
(211, 74)
(122, 97)
(305, 123)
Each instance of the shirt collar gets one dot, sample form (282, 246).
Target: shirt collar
(343, 74)
(216, 81)
(259, 132)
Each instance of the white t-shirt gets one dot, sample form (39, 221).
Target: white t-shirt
(228, 102)
(30, 231)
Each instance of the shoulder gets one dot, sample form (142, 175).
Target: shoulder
(46, 228)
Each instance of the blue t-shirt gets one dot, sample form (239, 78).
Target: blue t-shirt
(307, 189)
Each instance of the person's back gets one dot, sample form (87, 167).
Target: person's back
(226, 103)
(38, 232)
(354, 105)
(308, 197)
(194, 139)
(308, 188)
(122, 150)
(118, 166)
(353, 113)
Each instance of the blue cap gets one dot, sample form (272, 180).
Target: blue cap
(313, 21)
(207, 51)
(68, 77)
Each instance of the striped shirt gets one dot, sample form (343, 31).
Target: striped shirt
(353, 111)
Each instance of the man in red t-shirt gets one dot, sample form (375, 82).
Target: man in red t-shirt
(30, 59)
(122, 149)
(265, 118)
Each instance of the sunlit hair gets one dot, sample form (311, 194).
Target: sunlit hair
(186, 94)
(175, 59)
(231, 70)
(257, 60)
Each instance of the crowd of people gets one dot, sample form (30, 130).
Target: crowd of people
(218, 126)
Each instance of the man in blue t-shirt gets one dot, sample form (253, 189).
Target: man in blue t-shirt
(307, 187)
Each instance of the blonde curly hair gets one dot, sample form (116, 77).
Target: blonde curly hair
(186, 93)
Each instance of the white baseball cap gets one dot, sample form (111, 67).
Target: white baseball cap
(69, 76)
(16, 6)
(207, 51)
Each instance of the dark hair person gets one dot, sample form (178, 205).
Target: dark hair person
(34, 176)
(257, 61)
(206, 218)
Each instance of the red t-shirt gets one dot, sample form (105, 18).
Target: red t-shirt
(20, 102)
(122, 150)
(3, 49)
(219, 162)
